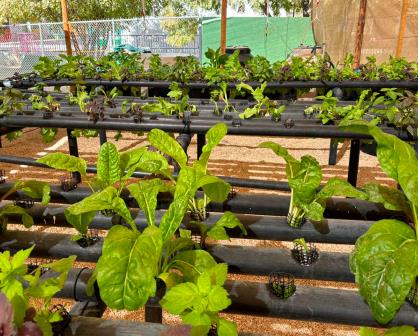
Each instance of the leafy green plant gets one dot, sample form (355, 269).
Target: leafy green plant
(21, 286)
(198, 303)
(185, 69)
(305, 178)
(47, 67)
(157, 70)
(383, 260)
(81, 98)
(221, 94)
(46, 104)
(394, 331)
(326, 111)
(11, 102)
(302, 242)
(264, 106)
(259, 69)
(113, 172)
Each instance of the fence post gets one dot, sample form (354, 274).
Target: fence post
(41, 38)
(113, 35)
(200, 39)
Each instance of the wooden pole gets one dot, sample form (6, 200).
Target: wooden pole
(223, 26)
(402, 27)
(360, 30)
(66, 25)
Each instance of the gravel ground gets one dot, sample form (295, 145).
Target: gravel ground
(236, 157)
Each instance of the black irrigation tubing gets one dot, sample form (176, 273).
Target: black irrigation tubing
(331, 266)
(332, 231)
(235, 127)
(236, 182)
(308, 303)
(408, 84)
(256, 204)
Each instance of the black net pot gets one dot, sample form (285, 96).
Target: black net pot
(413, 294)
(59, 327)
(2, 176)
(68, 183)
(295, 222)
(88, 240)
(25, 202)
(282, 284)
(108, 212)
(47, 115)
(199, 215)
(213, 331)
(303, 256)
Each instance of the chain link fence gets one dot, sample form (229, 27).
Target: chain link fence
(21, 45)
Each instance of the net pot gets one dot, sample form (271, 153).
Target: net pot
(24, 202)
(282, 284)
(303, 256)
(295, 222)
(68, 183)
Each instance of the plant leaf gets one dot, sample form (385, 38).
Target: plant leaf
(226, 328)
(81, 221)
(64, 162)
(213, 137)
(179, 298)
(10, 209)
(35, 189)
(173, 217)
(228, 220)
(108, 164)
(167, 145)
(385, 264)
(128, 266)
(193, 263)
(218, 299)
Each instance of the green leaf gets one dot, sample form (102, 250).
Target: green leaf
(91, 282)
(187, 182)
(193, 263)
(213, 137)
(10, 209)
(128, 266)
(170, 279)
(197, 319)
(408, 179)
(226, 328)
(106, 199)
(391, 198)
(173, 217)
(167, 145)
(64, 162)
(81, 221)
(179, 298)
(145, 193)
(385, 264)
(364, 331)
(35, 189)
(292, 165)
(228, 220)
(144, 160)
(204, 284)
(215, 188)
(218, 299)
(218, 274)
(401, 331)
(108, 164)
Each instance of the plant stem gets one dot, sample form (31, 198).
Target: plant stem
(415, 217)
(11, 191)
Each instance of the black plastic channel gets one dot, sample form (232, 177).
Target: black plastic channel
(333, 231)
(256, 204)
(241, 259)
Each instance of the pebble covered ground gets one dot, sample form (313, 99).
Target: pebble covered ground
(236, 157)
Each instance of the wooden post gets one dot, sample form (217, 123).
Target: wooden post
(360, 30)
(223, 26)
(66, 25)
(402, 27)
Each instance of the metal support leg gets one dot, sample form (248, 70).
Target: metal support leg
(333, 150)
(201, 140)
(73, 148)
(354, 162)
(102, 136)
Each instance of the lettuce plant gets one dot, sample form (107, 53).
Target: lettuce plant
(384, 259)
(21, 286)
(305, 178)
(264, 106)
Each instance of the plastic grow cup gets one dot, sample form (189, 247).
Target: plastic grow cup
(413, 293)
(68, 183)
(282, 284)
(199, 215)
(24, 202)
(59, 327)
(303, 256)
(295, 222)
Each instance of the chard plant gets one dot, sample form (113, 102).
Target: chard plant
(384, 259)
(46, 104)
(263, 107)
(221, 94)
(305, 178)
(195, 177)
(114, 170)
(11, 102)
(34, 189)
(21, 287)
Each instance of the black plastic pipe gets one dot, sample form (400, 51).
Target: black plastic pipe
(334, 231)
(240, 259)
(257, 204)
(202, 85)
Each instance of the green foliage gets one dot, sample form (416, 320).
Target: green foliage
(305, 178)
(384, 260)
(11, 102)
(394, 331)
(20, 287)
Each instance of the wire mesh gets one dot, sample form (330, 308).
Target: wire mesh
(21, 45)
